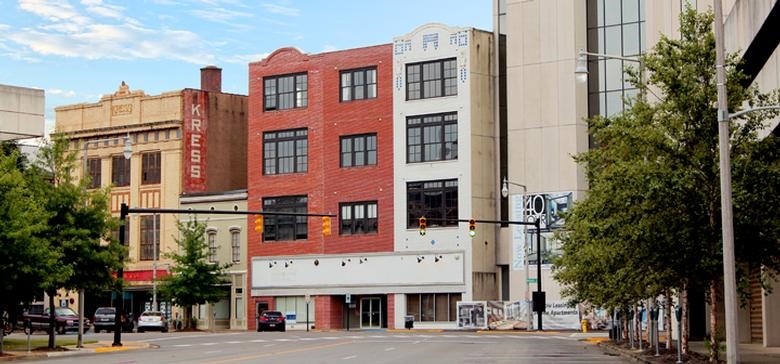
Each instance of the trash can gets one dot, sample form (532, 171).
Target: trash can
(408, 322)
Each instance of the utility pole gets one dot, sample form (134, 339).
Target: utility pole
(727, 219)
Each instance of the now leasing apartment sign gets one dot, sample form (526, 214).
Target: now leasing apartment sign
(195, 127)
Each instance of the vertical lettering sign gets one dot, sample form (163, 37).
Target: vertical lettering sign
(195, 127)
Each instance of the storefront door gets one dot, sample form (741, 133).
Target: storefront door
(370, 312)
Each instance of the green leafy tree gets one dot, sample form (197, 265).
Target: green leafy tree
(651, 219)
(78, 228)
(193, 279)
(26, 258)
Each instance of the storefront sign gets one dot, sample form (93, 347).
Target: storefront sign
(195, 132)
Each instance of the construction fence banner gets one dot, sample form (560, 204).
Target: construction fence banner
(514, 315)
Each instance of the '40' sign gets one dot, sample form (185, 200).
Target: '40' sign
(548, 207)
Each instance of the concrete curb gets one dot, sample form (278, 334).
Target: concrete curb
(97, 348)
(623, 353)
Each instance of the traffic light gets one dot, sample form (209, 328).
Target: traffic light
(326, 225)
(423, 225)
(472, 228)
(259, 224)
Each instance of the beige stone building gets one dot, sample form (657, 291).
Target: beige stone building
(545, 110)
(181, 142)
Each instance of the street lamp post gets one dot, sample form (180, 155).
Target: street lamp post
(581, 71)
(127, 152)
(505, 194)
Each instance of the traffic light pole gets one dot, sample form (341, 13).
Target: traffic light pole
(539, 298)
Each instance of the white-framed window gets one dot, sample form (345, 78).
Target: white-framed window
(235, 244)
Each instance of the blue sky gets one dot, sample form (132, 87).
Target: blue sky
(79, 50)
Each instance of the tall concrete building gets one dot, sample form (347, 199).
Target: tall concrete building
(184, 142)
(21, 112)
(544, 109)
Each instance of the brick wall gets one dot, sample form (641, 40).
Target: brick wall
(327, 119)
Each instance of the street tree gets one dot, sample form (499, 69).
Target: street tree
(651, 218)
(26, 257)
(78, 228)
(193, 279)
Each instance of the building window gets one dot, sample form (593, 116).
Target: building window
(431, 79)
(120, 171)
(285, 151)
(433, 306)
(150, 168)
(211, 237)
(285, 92)
(436, 200)
(285, 228)
(235, 244)
(432, 137)
(115, 233)
(150, 237)
(358, 150)
(94, 169)
(358, 84)
(615, 27)
(358, 218)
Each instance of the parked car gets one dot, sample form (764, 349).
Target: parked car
(271, 320)
(152, 320)
(66, 319)
(103, 319)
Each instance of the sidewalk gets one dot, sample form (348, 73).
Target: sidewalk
(748, 353)
(98, 347)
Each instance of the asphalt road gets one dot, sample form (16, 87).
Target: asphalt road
(349, 347)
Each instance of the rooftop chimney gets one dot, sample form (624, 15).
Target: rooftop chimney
(211, 79)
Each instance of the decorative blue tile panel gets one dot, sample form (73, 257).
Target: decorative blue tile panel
(432, 38)
(402, 46)
(460, 39)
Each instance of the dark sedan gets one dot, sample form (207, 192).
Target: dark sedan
(271, 320)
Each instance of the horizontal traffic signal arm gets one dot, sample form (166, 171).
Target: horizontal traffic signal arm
(127, 210)
(536, 222)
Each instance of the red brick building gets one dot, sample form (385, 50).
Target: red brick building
(320, 140)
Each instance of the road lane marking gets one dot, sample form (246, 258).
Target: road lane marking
(349, 357)
(389, 349)
(265, 355)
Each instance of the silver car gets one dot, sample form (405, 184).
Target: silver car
(152, 320)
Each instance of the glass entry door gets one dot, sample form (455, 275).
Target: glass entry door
(370, 312)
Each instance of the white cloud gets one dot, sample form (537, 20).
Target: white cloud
(67, 33)
(107, 11)
(220, 15)
(62, 93)
(53, 10)
(125, 41)
(281, 10)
